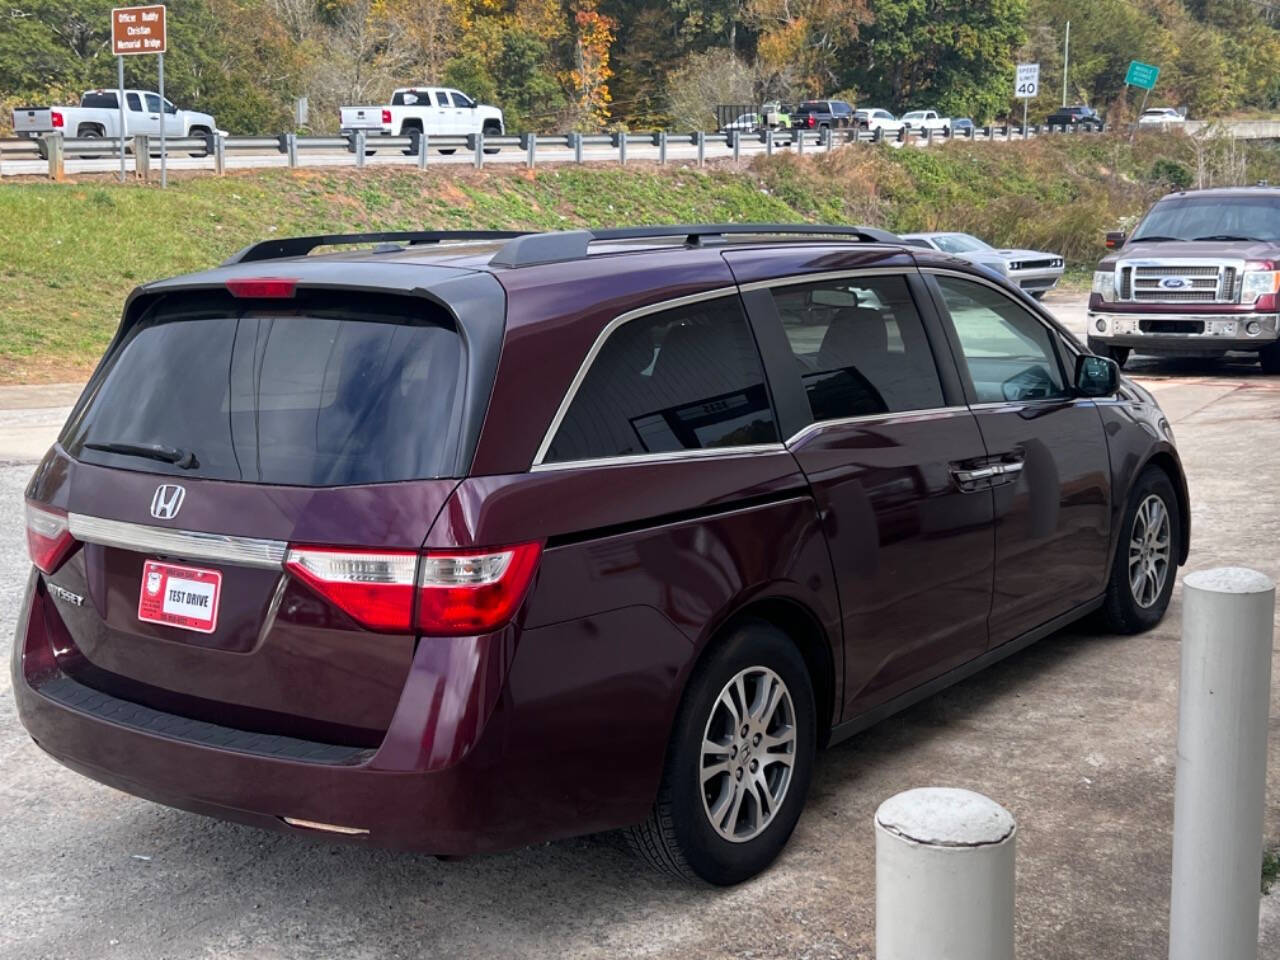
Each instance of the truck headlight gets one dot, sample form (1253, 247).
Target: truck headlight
(1104, 284)
(1258, 283)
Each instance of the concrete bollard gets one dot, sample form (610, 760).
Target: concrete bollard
(1224, 697)
(944, 877)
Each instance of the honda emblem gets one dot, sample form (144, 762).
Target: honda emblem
(167, 501)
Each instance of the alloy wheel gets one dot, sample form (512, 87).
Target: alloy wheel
(1149, 551)
(748, 754)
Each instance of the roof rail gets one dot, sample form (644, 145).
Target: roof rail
(534, 248)
(301, 246)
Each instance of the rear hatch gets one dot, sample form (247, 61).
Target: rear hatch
(247, 483)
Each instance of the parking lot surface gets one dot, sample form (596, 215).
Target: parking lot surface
(1075, 736)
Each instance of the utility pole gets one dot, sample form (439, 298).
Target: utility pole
(1066, 59)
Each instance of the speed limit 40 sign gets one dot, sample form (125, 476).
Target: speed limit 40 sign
(1026, 83)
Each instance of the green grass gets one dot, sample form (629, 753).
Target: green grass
(1270, 869)
(70, 253)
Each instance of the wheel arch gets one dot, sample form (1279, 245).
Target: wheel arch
(804, 627)
(1168, 463)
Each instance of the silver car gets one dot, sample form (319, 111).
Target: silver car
(1034, 271)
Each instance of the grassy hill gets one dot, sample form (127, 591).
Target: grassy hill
(70, 253)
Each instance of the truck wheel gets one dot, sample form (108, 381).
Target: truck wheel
(739, 762)
(1269, 357)
(448, 151)
(89, 133)
(492, 131)
(200, 132)
(1103, 349)
(407, 131)
(1146, 559)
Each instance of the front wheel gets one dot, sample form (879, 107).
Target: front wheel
(1102, 349)
(739, 762)
(1146, 559)
(1269, 357)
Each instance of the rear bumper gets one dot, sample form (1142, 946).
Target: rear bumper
(1182, 333)
(462, 769)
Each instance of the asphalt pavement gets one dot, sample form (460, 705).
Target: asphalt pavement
(1076, 736)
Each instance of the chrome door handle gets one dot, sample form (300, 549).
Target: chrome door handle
(989, 472)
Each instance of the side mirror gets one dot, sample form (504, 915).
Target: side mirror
(1096, 376)
(1116, 239)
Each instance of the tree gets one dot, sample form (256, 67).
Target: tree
(704, 80)
(588, 78)
(807, 36)
(953, 55)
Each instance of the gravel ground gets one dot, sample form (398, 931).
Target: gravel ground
(1076, 736)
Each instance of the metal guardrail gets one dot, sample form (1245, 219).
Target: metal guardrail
(417, 148)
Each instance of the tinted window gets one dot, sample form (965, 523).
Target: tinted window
(682, 379)
(1191, 216)
(359, 393)
(442, 98)
(460, 101)
(1009, 351)
(839, 106)
(153, 102)
(134, 101)
(860, 345)
(103, 100)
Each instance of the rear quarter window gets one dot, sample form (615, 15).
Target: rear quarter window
(334, 393)
(100, 100)
(689, 378)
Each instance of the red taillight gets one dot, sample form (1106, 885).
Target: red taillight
(263, 288)
(461, 593)
(56, 117)
(386, 116)
(376, 589)
(452, 593)
(48, 538)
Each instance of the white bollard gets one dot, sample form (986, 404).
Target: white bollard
(944, 877)
(1224, 697)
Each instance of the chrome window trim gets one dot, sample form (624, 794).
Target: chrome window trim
(792, 280)
(576, 383)
(896, 416)
(189, 544)
(668, 456)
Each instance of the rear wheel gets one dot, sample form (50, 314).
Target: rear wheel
(89, 133)
(739, 762)
(492, 130)
(408, 130)
(1145, 563)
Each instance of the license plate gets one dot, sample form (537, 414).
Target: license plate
(182, 597)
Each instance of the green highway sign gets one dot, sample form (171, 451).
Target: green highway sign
(1141, 75)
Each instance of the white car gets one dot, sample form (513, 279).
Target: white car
(1034, 271)
(926, 120)
(1161, 116)
(435, 111)
(874, 119)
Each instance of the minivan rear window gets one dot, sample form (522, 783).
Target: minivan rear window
(345, 392)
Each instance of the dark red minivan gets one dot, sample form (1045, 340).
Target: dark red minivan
(462, 541)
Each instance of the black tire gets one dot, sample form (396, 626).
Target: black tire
(1270, 359)
(1122, 612)
(407, 131)
(200, 132)
(679, 838)
(1104, 349)
(89, 133)
(448, 151)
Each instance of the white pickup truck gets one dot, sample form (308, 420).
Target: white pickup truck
(925, 120)
(99, 116)
(435, 111)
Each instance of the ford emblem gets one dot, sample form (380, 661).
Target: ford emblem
(1174, 283)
